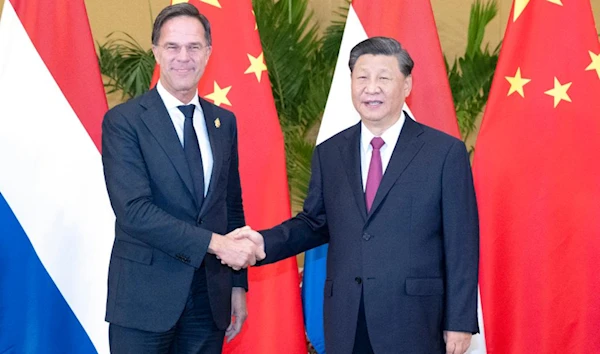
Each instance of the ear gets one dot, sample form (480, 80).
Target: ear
(156, 56)
(407, 85)
(208, 53)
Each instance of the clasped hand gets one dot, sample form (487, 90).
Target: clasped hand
(240, 248)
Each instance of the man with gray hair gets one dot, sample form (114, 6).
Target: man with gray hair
(396, 203)
(173, 181)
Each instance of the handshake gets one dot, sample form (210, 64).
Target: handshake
(238, 249)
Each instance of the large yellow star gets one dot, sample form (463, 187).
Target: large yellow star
(257, 66)
(219, 95)
(559, 92)
(520, 5)
(212, 2)
(595, 65)
(557, 2)
(516, 83)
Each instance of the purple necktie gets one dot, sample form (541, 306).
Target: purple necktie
(375, 172)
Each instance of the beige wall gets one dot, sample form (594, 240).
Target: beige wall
(135, 17)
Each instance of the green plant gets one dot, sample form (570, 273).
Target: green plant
(301, 68)
(471, 75)
(126, 64)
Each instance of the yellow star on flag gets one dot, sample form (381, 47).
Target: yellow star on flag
(255, 23)
(520, 5)
(516, 83)
(211, 2)
(595, 65)
(257, 66)
(559, 92)
(219, 95)
(557, 2)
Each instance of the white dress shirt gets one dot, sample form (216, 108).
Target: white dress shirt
(390, 137)
(178, 120)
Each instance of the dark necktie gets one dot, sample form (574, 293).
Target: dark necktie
(375, 172)
(192, 152)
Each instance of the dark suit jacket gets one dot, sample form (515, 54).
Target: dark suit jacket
(161, 237)
(415, 254)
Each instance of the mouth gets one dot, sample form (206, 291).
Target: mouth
(182, 71)
(373, 103)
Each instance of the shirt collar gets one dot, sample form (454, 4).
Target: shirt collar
(390, 135)
(171, 101)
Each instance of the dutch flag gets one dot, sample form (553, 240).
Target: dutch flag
(56, 223)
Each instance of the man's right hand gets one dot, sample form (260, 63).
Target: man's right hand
(256, 238)
(236, 253)
(237, 249)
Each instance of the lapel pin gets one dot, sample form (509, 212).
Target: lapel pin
(217, 123)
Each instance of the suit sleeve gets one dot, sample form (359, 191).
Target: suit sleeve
(461, 241)
(306, 230)
(128, 186)
(235, 208)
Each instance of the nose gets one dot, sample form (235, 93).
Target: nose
(371, 86)
(183, 54)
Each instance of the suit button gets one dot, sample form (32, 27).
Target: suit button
(199, 221)
(358, 280)
(366, 236)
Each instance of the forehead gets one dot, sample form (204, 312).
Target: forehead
(182, 29)
(371, 62)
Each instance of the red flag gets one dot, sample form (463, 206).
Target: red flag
(236, 79)
(537, 179)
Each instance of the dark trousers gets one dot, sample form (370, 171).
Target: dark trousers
(362, 343)
(194, 332)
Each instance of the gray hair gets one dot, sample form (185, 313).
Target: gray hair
(177, 10)
(382, 46)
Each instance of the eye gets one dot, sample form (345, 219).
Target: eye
(195, 47)
(172, 47)
(384, 78)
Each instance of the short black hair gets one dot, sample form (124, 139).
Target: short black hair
(177, 10)
(382, 46)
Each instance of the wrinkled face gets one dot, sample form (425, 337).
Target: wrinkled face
(182, 54)
(379, 89)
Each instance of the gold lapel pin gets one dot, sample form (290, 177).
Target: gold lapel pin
(217, 123)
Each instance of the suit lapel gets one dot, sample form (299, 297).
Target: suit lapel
(159, 124)
(406, 149)
(350, 152)
(215, 138)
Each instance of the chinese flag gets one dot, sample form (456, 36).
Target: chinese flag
(537, 175)
(236, 79)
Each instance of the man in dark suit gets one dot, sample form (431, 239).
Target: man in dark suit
(171, 168)
(395, 201)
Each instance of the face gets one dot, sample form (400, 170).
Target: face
(182, 54)
(379, 90)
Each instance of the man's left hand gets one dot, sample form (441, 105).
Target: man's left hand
(239, 311)
(457, 342)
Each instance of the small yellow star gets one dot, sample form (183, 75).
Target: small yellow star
(516, 83)
(212, 2)
(178, 2)
(520, 5)
(559, 92)
(557, 2)
(255, 23)
(595, 65)
(257, 66)
(219, 95)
